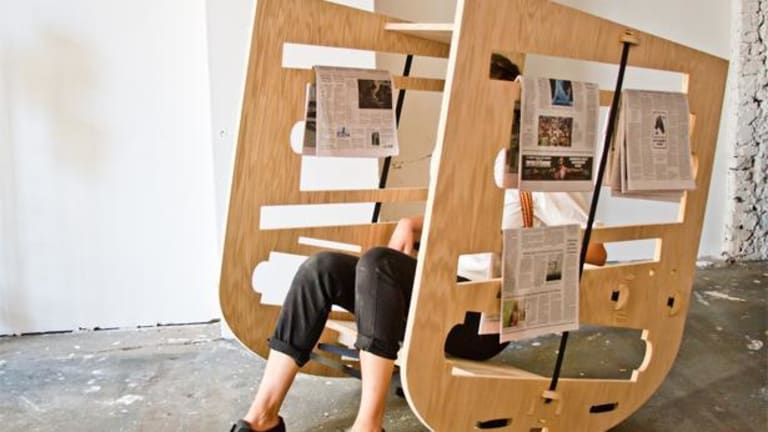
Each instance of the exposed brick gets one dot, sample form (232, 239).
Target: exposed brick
(746, 235)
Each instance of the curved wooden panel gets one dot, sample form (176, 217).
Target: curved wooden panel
(462, 212)
(267, 170)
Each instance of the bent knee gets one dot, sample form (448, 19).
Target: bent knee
(376, 258)
(319, 263)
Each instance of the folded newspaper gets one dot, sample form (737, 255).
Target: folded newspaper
(540, 283)
(651, 155)
(558, 134)
(349, 112)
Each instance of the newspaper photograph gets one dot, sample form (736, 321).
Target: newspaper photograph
(310, 122)
(355, 113)
(540, 282)
(558, 134)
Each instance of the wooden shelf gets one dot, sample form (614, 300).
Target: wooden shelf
(475, 369)
(440, 32)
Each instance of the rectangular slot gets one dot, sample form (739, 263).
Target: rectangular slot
(314, 215)
(305, 56)
(621, 352)
(424, 67)
(337, 173)
(493, 424)
(440, 32)
(604, 408)
(615, 211)
(632, 251)
(479, 266)
(328, 244)
(603, 74)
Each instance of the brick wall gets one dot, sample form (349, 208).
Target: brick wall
(746, 231)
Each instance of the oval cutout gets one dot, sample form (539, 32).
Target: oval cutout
(493, 424)
(603, 408)
(297, 137)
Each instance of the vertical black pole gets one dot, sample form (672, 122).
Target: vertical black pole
(595, 197)
(388, 160)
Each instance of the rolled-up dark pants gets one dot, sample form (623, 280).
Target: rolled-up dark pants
(376, 288)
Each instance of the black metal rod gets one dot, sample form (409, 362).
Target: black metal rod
(595, 197)
(388, 159)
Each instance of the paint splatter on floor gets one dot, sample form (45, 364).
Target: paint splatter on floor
(754, 344)
(722, 296)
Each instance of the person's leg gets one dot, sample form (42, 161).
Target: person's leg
(383, 285)
(376, 378)
(278, 376)
(323, 280)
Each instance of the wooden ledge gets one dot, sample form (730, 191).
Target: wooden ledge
(439, 32)
(476, 369)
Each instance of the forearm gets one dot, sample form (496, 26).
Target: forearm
(417, 223)
(596, 254)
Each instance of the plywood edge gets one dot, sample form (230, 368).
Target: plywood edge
(476, 369)
(439, 32)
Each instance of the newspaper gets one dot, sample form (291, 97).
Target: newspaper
(540, 281)
(613, 175)
(651, 156)
(355, 115)
(558, 133)
(510, 178)
(310, 122)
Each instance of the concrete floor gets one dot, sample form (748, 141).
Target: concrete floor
(189, 379)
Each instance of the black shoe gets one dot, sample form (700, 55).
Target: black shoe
(244, 426)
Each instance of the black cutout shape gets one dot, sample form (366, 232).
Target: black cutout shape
(604, 408)
(493, 424)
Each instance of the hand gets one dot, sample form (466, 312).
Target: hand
(403, 237)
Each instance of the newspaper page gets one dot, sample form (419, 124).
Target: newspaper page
(558, 135)
(355, 115)
(656, 148)
(310, 122)
(511, 177)
(540, 281)
(618, 168)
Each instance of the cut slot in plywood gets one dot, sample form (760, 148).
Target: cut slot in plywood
(440, 32)
(473, 369)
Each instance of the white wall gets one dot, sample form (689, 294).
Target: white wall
(230, 24)
(702, 24)
(107, 199)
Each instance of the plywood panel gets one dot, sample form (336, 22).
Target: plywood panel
(267, 170)
(463, 210)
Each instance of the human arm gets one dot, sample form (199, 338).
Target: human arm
(596, 254)
(407, 232)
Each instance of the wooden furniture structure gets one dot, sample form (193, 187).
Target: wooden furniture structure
(463, 206)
